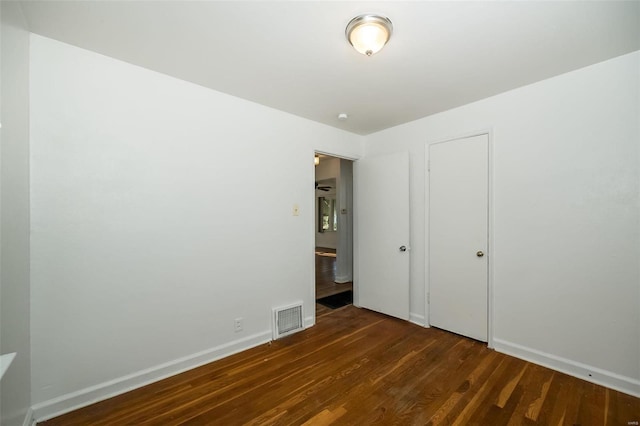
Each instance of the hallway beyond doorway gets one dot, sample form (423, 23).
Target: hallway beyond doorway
(325, 276)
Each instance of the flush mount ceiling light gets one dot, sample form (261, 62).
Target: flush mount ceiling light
(369, 33)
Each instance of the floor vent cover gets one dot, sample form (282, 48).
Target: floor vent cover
(287, 320)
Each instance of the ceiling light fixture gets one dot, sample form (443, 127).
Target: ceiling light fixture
(369, 33)
(316, 160)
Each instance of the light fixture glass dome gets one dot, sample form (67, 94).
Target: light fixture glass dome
(369, 33)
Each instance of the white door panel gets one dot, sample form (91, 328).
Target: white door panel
(458, 235)
(382, 212)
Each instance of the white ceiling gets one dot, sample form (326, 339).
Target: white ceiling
(293, 56)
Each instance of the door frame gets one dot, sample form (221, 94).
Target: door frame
(312, 225)
(490, 226)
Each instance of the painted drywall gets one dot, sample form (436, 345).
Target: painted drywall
(14, 213)
(146, 240)
(566, 284)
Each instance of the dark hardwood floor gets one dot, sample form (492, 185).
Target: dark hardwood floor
(357, 367)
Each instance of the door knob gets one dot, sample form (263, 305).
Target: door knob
(479, 253)
(403, 248)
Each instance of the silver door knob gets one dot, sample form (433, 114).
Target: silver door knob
(403, 248)
(480, 253)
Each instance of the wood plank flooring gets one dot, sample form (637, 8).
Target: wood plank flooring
(357, 367)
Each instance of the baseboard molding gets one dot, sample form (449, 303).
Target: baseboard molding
(589, 373)
(309, 322)
(72, 401)
(343, 279)
(29, 419)
(418, 319)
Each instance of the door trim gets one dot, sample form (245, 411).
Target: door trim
(490, 233)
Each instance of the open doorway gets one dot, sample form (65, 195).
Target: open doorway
(333, 233)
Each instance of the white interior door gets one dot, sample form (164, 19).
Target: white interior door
(458, 235)
(382, 234)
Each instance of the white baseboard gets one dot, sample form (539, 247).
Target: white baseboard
(418, 319)
(309, 322)
(589, 373)
(343, 279)
(72, 401)
(29, 420)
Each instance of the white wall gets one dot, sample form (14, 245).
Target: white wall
(566, 216)
(14, 213)
(146, 240)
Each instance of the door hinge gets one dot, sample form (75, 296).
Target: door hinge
(428, 165)
(428, 298)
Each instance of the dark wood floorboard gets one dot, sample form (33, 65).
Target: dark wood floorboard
(357, 367)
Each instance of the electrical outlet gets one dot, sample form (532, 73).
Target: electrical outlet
(237, 324)
(296, 210)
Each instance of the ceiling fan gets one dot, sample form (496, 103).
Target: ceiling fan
(323, 187)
